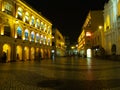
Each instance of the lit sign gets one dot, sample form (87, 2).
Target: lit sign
(88, 34)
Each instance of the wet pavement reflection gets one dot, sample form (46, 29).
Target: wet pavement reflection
(63, 73)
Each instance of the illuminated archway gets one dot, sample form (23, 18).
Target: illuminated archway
(26, 53)
(37, 55)
(89, 52)
(41, 52)
(7, 50)
(48, 53)
(32, 56)
(19, 52)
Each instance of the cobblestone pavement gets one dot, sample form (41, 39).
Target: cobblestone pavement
(66, 73)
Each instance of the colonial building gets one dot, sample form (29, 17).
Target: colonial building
(24, 33)
(93, 20)
(58, 43)
(112, 26)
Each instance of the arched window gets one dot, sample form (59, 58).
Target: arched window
(42, 26)
(37, 37)
(26, 35)
(48, 31)
(32, 21)
(44, 40)
(26, 18)
(41, 39)
(45, 28)
(32, 36)
(48, 41)
(19, 33)
(19, 13)
(37, 25)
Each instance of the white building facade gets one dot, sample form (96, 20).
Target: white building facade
(112, 26)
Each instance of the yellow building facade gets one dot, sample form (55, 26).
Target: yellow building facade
(85, 39)
(24, 33)
(59, 48)
(112, 26)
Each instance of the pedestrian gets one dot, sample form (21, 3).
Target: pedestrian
(4, 57)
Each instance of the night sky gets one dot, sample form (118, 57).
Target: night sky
(67, 15)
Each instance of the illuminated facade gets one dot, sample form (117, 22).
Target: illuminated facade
(58, 43)
(112, 25)
(85, 39)
(24, 33)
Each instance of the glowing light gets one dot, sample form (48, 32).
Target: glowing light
(72, 47)
(88, 34)
(53, 51)
(15, 36)
(100, 27)
(89, 53)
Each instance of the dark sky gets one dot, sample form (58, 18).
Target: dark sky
(67, 15)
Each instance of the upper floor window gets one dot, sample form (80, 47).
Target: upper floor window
(19, 13)
(48, 41)
(37, 37)
(41, 39)
(45, 28)
(7, 31)
(44, 40)
(8, 7)
(42, 26)
(49, 31)
(26, 35)
(26, 18)
(19, 33)
(32, 36)
(37, 25)
(32, 21)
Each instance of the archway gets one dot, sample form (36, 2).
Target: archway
(7, 50)
(32, 56)
(89, 52)
(19, 52)
(38, 54)
(41, 52)
(49, 53)
(26, 53)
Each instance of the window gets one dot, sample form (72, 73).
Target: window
(48, 41)
(7, 31)
(26, 19)
(32, 36)
(32, 21)
(37, 37)
(37, 24)
(8, 8)
(49, 30)
(41, 38)
(19, 13)
(42, 26)
(19, 33)
(26, 34)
